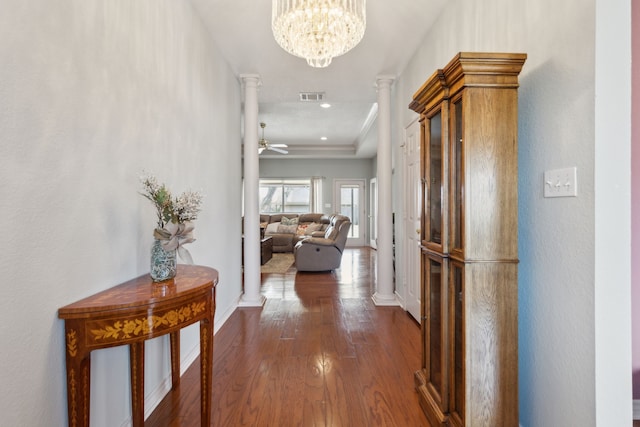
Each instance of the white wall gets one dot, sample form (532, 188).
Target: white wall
(91, 93)
(613, 367)
(568, 363)
(635, 221)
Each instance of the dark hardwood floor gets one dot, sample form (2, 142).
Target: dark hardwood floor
(319, 353)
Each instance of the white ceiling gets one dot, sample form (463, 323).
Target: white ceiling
(242, 31)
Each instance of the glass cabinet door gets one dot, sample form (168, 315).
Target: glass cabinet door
(457, 343)
(436, 328)
(435, 160)
(424, 181)
(435, 178)
(457, 178)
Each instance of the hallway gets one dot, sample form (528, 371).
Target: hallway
(318, 354)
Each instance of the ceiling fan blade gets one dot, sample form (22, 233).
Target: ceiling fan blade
(264, 144)
(279, 150)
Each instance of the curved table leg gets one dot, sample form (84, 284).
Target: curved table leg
(206, 364)
(174, 344)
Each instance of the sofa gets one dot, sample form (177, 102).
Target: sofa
(287, 229)
(323, 253)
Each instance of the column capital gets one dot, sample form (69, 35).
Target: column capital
(250, 78)
(384, 80)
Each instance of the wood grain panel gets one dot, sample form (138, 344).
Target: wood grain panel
(491, 174)
(491, 337)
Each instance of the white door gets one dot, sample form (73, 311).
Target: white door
(349, 198)
(413, 211)
(373, 213)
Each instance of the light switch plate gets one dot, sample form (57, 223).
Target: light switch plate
(561, 183)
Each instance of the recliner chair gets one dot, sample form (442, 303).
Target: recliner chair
(323, 253)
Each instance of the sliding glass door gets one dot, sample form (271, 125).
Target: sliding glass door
(350, 201)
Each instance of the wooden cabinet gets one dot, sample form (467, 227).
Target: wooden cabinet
(469, 166)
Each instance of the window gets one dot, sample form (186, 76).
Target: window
(285, 195)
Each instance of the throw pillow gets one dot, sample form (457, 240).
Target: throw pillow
(272, 228)
(287, 229)
(301, 231)
(289, 221)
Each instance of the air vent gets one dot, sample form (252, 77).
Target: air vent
(311, 96)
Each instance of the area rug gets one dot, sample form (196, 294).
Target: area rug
(279, 263)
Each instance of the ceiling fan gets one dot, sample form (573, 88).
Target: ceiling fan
(263, 144)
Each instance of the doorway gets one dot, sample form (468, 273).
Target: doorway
(373, 213)
(412, 218)
(349, 198)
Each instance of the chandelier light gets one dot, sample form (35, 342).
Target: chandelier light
(318, 30)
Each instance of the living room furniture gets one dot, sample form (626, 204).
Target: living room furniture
(131, 313)
(286, 235)
(266, 249)
(469, 298)
(323, 253)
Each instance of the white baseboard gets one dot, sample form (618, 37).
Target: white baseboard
(155, 397)
(223, 317)
(636, 409)
(400, 300)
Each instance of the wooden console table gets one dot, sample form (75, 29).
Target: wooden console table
(131, 313)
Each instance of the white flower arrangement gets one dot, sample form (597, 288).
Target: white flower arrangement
(174, 215)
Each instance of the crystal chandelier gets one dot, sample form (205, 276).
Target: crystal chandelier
(318, 30)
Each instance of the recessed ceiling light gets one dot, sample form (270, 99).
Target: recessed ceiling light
(325, 105)
(324, 138)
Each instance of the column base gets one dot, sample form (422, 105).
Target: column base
(385, 300)
(251, 302)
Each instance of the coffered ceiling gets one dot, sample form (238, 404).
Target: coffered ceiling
(242, 31)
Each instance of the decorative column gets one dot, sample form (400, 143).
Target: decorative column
(251, 296)
(385, 288)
